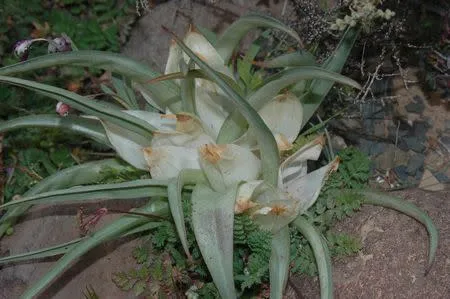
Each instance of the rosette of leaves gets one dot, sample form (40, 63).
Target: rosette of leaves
(214, 137)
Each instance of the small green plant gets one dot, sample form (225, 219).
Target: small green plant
(200, 149)
(103, 25)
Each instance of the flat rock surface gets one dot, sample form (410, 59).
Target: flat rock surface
(47, 226)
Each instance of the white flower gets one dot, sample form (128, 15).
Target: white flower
(274, 207)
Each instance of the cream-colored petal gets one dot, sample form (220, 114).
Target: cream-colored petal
(166, 162)
(173, 61)
(283, 115)
(189, 132)
(127, 144)
(228, 164)
(295, 165)
(212, 110)
(203, 49)
(274, 208)
(306, 189)
(244, 200)
(161, 122)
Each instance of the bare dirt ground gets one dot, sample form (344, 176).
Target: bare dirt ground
(393, 259)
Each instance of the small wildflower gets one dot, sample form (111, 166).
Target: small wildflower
(59, 44)
(21, 48)
(62, 109)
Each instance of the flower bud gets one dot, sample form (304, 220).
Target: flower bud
(62, 109)
(21, 48)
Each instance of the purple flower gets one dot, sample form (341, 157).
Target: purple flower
(22, 47)
(62, 109)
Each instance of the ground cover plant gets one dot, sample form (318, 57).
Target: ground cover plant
(33, 154)
(210, 139)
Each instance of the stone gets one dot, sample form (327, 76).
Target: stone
(420, 129)
(442, 177)
(402, 172)
(417, 106)
(338, 142)
(430, 183)
(414, 143)
(390, 158)
(447, 125)
(445, 141)
(415, 163)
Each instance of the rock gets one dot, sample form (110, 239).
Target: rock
(420, 129)
(429, 122)
(442, 177)
(417, 106)
(48, 225)
(430, 183)
(414, 143)
(372, 148)
(402, 172)
(338, 143)
(447, 125)
(445, 141)
(415, 163)
(390, 158)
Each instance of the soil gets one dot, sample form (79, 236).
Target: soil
(393, 259)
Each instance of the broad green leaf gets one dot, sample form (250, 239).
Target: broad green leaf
(125, 93)
(79, 125)
(113, 62)
(212, 221)
(320, 88)
(41, 253)
(111, 231)
(85, 105)
(188, 94)
(198, 74)
(244, 65)
(279, 263)
(235, 124)
(174, 194)
(268, 147)
(87, 173)
(321, 254)
(126, 190)
(380, 199)
(295, 59)
(232, 36)
(274, 84)
(208, 34)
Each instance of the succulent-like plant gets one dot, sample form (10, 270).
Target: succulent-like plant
(208, 133)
